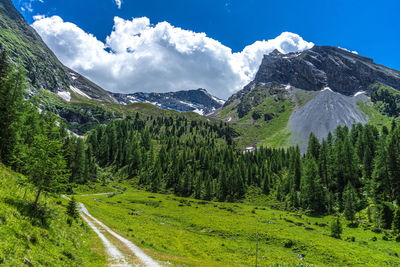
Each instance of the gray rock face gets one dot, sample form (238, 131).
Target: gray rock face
(323, 114)
(199, 100)
(321, 66)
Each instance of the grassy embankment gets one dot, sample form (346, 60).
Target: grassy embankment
(41, 238)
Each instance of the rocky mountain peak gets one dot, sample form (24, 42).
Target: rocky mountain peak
(325, 66)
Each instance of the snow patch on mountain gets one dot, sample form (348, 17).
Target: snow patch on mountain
(79, 92)
(65, 95)
(359, 93)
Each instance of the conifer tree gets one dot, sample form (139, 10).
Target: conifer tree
(12, 105)
(386, 215)
(46, 166)
(396, 221)
(336, 228)
(349, 202)
(72, 209)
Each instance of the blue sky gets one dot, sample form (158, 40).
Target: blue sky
(372, 28)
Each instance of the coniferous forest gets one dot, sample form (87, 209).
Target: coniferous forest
(349, 170)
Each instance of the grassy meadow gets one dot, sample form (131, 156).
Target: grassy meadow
(184, 231)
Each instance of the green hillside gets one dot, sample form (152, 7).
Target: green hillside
(42, 237)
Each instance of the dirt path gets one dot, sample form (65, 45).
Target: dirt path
(116, 258)
(146, 260)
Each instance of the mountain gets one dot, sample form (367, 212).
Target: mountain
(315, 91)
(199, 101)
(325, 66)
(44, 70)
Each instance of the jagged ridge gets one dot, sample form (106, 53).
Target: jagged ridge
(199, 100)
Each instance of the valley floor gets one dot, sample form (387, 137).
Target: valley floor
(182, 231)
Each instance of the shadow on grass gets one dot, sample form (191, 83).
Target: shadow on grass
(39, 216)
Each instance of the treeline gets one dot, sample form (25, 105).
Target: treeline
(36, 143)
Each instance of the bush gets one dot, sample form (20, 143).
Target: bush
(288, 243)
(376, 230)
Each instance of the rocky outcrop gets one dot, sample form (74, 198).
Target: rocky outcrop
(325, 66)
(199, 101)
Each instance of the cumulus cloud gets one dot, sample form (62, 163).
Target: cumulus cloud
(118, 3)
(138, 56)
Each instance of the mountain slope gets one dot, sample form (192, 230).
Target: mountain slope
(323, 113)
(199, 101)
(44, 238)
(44, 70)
(315, 90)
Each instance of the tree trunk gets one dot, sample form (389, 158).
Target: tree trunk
(37, 197)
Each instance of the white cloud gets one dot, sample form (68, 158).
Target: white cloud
(26, 5)
(118, 3)
(139, 56)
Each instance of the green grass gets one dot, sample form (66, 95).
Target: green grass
(44, 238)
(272, 133)
(197, 233)
(374, 116)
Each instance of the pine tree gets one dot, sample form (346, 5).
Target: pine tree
(312, 193)
(79, 162)
(72, 209)
(336, 228)
(386, 215)
(396, 221)
(46, 166)
(12, 106)
(349, 196)
(313, 147)
(381, 187)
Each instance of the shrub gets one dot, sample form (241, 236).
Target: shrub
(351, 239)
(288, 243)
